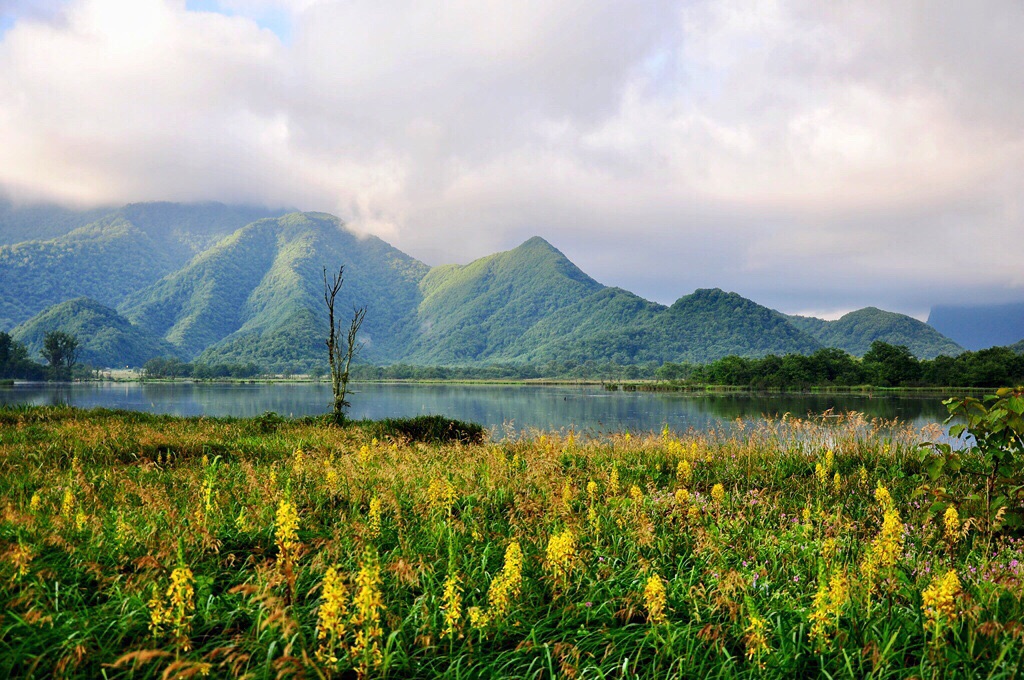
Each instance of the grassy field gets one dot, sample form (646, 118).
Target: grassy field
(148, 546)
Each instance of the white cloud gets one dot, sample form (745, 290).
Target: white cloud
(808, 155)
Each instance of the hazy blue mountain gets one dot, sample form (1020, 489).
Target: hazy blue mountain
(42, 221)
(979, 326)
(855, 332)
(258, 294)
(106, 339)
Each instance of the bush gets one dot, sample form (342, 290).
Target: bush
(428, 429)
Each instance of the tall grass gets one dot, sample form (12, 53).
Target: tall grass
(147, 546)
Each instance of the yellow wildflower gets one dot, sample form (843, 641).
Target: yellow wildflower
(287, 531)
(452, 606)
(177, 612)
(938, 601)
(951, 521)
(67, 505)
(567, 495)
(684, 472)
(35, 502)
(837, 483)
(682, 497)
(561, 554)
(828, 604)
(756, 637)
(441, 495)
(505, 586)
(718, 494)
(613, 482)
(883, 497)
(368, 603)
(331, 625)
(655, 599)
(374, 520)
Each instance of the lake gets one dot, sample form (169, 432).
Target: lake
(501, 408)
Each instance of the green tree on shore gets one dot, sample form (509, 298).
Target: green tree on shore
(60, 350)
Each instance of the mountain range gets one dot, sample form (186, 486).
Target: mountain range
(236, 284)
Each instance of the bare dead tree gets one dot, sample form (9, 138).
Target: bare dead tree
(340, 355)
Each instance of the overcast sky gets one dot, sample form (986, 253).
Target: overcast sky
(814, 156)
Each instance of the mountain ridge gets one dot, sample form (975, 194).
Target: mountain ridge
(217, 292)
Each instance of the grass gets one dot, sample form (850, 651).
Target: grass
(138, 546)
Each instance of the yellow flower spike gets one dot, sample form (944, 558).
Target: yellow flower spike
(561, 555)
(331, 617)
(506, 585)
(452, 606)
(682, 497)
(718, 494)
(883, 497)
(939, 599)
(567, 495)
(374, 518)
(67, 505)
(837, 483)
(35, 502)
(755, 636)
(684, 472)
(613, 481)
(655, 599)
(368, 603)
(951, 523)
(180, 605)
(286, 531)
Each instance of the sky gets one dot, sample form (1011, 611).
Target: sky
(816, 157)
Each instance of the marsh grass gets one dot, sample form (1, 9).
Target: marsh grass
(104, 513)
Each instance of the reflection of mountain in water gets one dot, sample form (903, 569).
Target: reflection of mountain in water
(587, 408)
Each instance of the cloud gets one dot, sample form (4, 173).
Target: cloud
(808, 155)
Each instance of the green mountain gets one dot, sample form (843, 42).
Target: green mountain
(477, 312)
(258, 294)
(120, 253)
(230, 284)
(106, 338)
(854, 333)
(705, 325)
(1018, 347)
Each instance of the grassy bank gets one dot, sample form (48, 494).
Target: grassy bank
(151, 546)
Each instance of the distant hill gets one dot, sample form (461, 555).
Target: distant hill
(979, 326)
(106, 338)
(120, 253)
(1018, 347)
(258, 294)
(855, 332)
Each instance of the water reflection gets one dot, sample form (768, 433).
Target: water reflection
(501, 408)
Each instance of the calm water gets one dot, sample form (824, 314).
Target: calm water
(500, 408)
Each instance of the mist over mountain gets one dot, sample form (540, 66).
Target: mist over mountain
(231, 284)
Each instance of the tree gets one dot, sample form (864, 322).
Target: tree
(340, 356)
(891, 365)
(60, 350)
